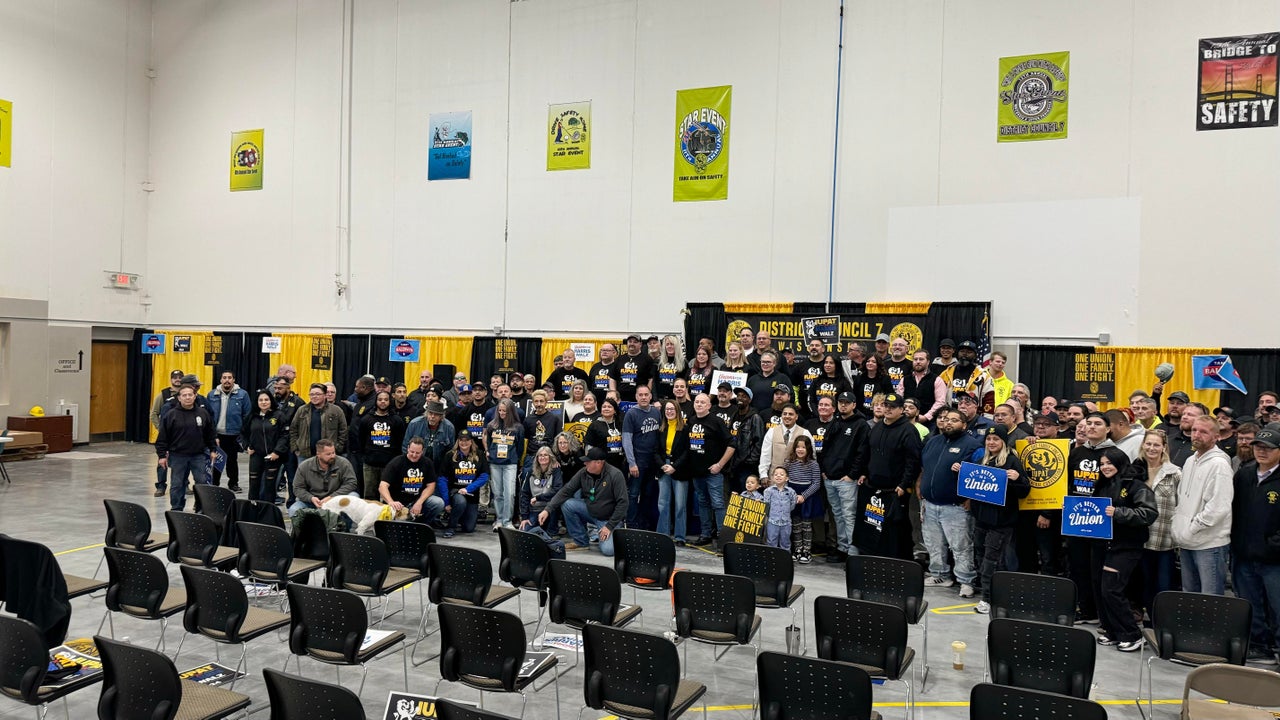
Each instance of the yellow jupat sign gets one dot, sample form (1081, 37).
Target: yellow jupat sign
(6, 133)
(1045, 462)
(246, 160)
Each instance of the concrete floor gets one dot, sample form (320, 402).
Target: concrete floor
(58, 501)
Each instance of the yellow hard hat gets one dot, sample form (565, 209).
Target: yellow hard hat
(36, 411)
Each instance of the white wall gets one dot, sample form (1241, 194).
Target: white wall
(72, 205)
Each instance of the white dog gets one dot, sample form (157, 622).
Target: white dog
(364, 513)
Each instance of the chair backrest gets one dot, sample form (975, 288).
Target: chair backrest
(451, 710)
(254, 511)
(310, 537)
(1002, 702)
(886, 580)
(770, 568)
(458, 573)
(582, 592)
(480, 642)
(861, 632)
(644, 558)
(216, 604)
(712, 602)
(326, 619)
(406, 543)
(298, 698)
(264, 549)
(193, 538)
(1236, 684)
(46, 603)
(128, 524)
(1041, 656)
(626, 667)
(1027, 596)
(137, 582)
(793, 687)
(357, 562)
(138, 683)
(524, 559)
(1195, 624)
(24, 659)
(215, 502)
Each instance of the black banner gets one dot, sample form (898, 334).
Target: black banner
(322, 353)
(490, 355)
(825, 328)
(212, 350)
(504, 355)
(1095, 377)
(789, 332)
(182, 343)
(1238, 80)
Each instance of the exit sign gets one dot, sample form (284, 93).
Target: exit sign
(122, 281)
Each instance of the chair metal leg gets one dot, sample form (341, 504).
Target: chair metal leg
(178, 652)
(244, 651)
(422, 635)
(924, 669)
(107, 615)
(557, 697)
(404, 660)
(364, 673)
(164, 623)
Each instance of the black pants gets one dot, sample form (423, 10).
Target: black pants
(1113, 602)
(1039, 549)
(990, 544)
(1083, 563)
(262, 477)
(230, 445)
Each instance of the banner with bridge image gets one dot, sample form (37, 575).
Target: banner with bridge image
(1238, 80)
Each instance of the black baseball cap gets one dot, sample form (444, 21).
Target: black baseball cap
(1267, 437)
(893, 400)
(382, 381)
(176, 374)
(962, 396)
(595, 453)
(968, 345)
(947, 342)
(1179, 395)
(724, 384)
(846, 396)
(1051, 418)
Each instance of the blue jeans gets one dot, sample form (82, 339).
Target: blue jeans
(634, 487)
(943, 527)
(668, 489)
(778, 536)
(710, 490)
(432, 508)
(462, 513)
(1259, 583)
(577, 517)
(843, 497)
(1205, 571)
(161, 477)
(179, 466)
(502, 479)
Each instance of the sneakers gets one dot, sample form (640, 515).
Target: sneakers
(680, 542)
(235, 488)
(805, 559)
(159, 492)
(935, 581)
(1131, 645)
(702, 541)
(966, 590)
(571, 546)
(835, 556)
(1106, 640)
(983, 608)
(1259, 656)
(447, 533)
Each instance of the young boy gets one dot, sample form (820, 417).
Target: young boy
(781, 500)
(752, 484)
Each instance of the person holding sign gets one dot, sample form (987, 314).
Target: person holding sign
(993, 524)
(1132, 510)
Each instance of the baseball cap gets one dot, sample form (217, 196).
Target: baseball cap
(1267, 437)
(595, 453)
(947, 342)
(464, 389)
(846, 396)
(631, 337)
(1050, 418)
(882, 337)
(968, 345)
(384, 380)
(724, 384)
(1179, 395)
(783, 389)
(745, 389)
(893, 400)
(176, 373)
(962, 396)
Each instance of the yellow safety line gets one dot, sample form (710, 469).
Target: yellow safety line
(943, 610)
(86, 547)
(929, 703)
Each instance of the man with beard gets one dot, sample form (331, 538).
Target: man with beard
(1068, 420)
(844, 444)
(1244, 444)
(966, 376)
(926, 387)
(636, 369)
(946, 525)
(1180, 447)
(852, 363)
(891, 467)
(975, 423)
(898, 366)
(805, 372)
(564, 376)
(1202, 519)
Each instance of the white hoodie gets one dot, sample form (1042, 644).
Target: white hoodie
(1203, 517)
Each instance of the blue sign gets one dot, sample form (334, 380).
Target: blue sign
(152, 344)
(1086, 517)
(625, 405)
(404, 350)
(982, 483)
(1215, 372)
(450, 154)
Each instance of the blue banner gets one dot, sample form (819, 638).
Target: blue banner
(1215, 372)
(450, 156)
(152, 344)
(982, 483)
(1086, 517)
(404, 350)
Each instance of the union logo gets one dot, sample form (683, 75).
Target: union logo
(702, 137)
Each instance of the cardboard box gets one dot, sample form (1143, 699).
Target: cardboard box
(24, 438)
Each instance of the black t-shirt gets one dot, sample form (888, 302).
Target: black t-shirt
(471, 417)
(585, 417)
(726, 415)
(708, 439)
(898, 370)
(826, 387)
(771, 418)
(700, 380)
(634, 372)
(805, 372)
(563, 379)
(599, 377)
(460, 472)
(665, 373)
(406, 481)
(818, 430)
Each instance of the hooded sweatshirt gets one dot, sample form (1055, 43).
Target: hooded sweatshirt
(937, 479)
(1202, 519)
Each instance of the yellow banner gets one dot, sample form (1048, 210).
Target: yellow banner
(1045, 462)
(6, 133)
(569, 136)
(246, 160)
(702, 144)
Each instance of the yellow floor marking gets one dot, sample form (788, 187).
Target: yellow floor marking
(86, 547)
(944, 610)
(930, 703)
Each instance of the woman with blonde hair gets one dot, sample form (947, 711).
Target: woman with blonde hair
(541, 483)
(673, 485)
(670, 365)
(573, 405)
(1163, 477)
(504, 444)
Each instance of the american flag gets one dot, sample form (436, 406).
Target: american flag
(984, 342)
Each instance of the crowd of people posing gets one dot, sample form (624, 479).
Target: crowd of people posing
(852, 453)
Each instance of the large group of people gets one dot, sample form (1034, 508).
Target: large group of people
(856, 453)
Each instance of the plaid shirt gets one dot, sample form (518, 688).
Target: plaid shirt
(1166, 492)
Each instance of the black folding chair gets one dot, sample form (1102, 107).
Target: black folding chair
(215, 503)
(1003, 702)
(330, 625)
(484, 649)
(24, 664)
(461, 576)
(297, 698)
(870, 635)
(635, 674)
(1195, 629)
(644, 559)
(523, 564)
(1027, 596)
(360, 563)
(895, 582)
(773, 572)
(585, 593)
(1041, 656)
(129, 527)
(193, 540)
(142, 683)
(794, 687)
(219, 610)
(138, 586)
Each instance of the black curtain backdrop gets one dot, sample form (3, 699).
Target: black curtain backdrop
(704, 320)
(137, 409)
(846, 308)
(350, 361)
(380, 362)
(528, 357)
(254, 368)
(1260, 370)
(967, 320)
(1048, 370)
(809, 309)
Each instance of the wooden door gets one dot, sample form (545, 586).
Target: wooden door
(107, 382)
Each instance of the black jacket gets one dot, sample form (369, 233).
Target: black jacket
(1255, 516)
(265, 434)
(843, 447)
(892, 455)
(185, 432)
(1006, 515)
(1135, 506)
(679, 456)
(34, 588)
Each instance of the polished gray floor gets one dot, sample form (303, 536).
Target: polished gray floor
(58, 501)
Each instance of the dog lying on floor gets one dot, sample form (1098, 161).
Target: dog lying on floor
(363, 513)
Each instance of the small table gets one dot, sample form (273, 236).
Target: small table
(4, 471)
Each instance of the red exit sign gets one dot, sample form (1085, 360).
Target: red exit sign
(127, 281)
